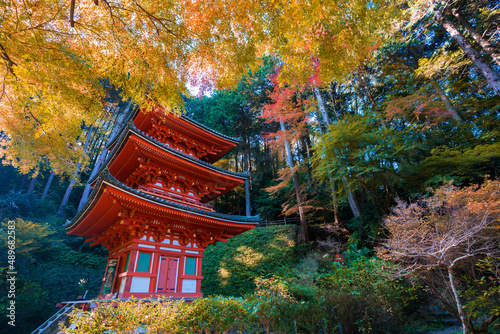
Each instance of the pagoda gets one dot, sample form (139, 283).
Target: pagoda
(150, 206)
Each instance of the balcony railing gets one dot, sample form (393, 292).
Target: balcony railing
(180, 198)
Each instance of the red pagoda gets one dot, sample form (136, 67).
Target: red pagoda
(150, 206)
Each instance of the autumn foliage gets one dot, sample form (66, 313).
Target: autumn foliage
(441, 231)
(449, 231)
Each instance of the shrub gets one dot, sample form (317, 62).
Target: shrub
(66, 255)
(360, 298)
(230, 269)
(215, 315)
(274, 307)
(18, 204)
(356, 297)
(128, 316)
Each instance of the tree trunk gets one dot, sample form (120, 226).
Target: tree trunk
(23, 181)
(460, 310)
(102, 156)
(65, 199)
(336, 112)
(332, 185)
(353, 203)
(296, 184)
(364, 86)
(442, 95)
(491, 76)
(236, 153)
(446, 101)
(305, 152)
(248, 167)
(239, 203)
(322, 107)
(245, 155)
(47, 185)
(31, 187)
(490, 49)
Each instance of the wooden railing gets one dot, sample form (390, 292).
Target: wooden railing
(52, 324)
(181, 199)
(284, 221)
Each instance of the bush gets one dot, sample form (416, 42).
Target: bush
(360, 298)
(66, 255)
(128, 316)
(273, 306)
(217, 315)
(211, 315)
(230, 269)
(24, 205)
(355, 298)
(18, 204)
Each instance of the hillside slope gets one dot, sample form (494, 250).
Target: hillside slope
(230, 268)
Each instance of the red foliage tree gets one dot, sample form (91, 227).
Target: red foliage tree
(442, 234)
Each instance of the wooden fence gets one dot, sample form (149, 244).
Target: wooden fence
(285, 221)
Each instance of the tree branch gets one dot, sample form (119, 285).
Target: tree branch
(72, 14)
(9, 62)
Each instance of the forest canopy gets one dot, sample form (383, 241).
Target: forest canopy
(62, 58)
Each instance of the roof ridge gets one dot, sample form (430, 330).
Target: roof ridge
(235, 139)
(132, 114)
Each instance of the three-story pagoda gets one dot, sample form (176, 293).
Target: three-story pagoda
(150, 206)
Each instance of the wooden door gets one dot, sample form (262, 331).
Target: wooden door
(167, 274)
(172, 274)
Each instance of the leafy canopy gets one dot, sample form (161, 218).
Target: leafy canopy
(55, 73)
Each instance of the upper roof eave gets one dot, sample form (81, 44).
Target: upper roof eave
(132, 128)
(130, 116)
(185, 118)
(106, 178)
(206, 128)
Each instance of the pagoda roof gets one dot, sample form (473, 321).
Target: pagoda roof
(133, 115)
(131, 128)
(189, 120)
(105, 179)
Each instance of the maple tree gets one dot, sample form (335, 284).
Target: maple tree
(287, 109)
(444, 232)
(57, 54)
(56, 73)
(341, 33)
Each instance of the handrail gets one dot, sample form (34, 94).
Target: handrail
(181, 198)
(285, 221)
(53, 322)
